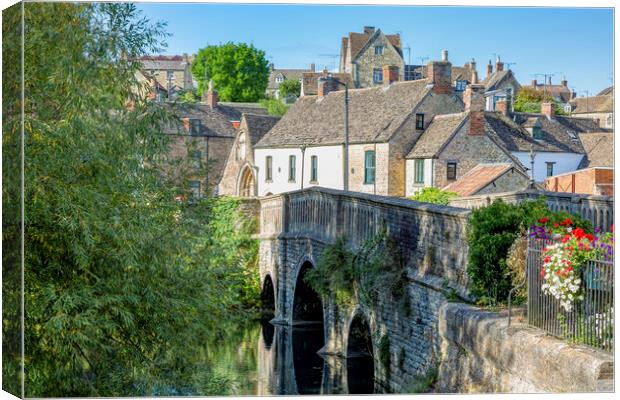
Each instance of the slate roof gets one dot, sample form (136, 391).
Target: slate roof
(436, 135)
(463, 73)
(374, 116)
(358, 40)
(310, 81)
(258, 125)
(593, 104)
(289, 73)
(608, 91)
(478, 177)
(215, 122)
(159, 62)
(599, 148)
(493, 81)
(559, 134)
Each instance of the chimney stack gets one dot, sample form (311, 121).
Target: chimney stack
(369, 30)
(489, 69)
(312, 67)
(210, 97)
(564, 83)
(439, 73)
(534, 83)
(474, 105)
(499, 66)
(390, 74)
(548, 110)
(501, 106)
(326, 85)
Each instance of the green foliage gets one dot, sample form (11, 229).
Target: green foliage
(239, 72)
(289, 87)
(493, 230)
(188, 96)
(529, 100)
(122, 282)
(434, 195)
(377, 267)
(423, 383)
(274, 107)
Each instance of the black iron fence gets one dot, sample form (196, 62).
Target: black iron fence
(591, 320)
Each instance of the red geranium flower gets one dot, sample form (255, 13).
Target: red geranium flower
(566, 238)
(589, 236)
(543, 220)
(547, 259)
(555, 224)
(566, 222)
(579, 233)
(542, 272)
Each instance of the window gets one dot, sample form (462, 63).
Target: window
(419, 121)
(537, 133)
(419, 171)
(460, 86)
(194, 187)
(377, 75)
(268, 169)
(194, 126)
(196, 155)
(170, 75)
(291, 168)
(378, 50)
(550, 168)
(451, 171)
(314, 164)
(279, 79)
(369, 167)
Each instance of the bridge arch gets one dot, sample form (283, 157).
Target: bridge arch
(307, 306)
(268, 296)
(360, 354)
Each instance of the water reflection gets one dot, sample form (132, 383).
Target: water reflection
(285, 362)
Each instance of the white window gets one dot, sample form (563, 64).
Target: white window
(377, 75)
(378, 50)
(279, 79)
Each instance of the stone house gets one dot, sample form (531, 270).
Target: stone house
(461, 75)
(599, 108)
(202, 140)
(499, 85)
(363, 55)
(307, 147)
(277, 76)
(560, 93)
(173, 73)
(466, 151)
(239, 175)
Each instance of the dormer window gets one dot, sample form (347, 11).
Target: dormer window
(537, 133)
(419, 121)
(279, 79)
(460, 86)
(194, 126)
(378, 50)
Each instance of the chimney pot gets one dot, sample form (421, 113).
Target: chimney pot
(369, 30)
(489, 69)
(444, 55)
(210, 96)
(564, 82)
(312, 67)
(534, 83)
(499, 65)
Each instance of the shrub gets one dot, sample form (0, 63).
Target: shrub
(493, 230)
(274, 107)
(434, 195)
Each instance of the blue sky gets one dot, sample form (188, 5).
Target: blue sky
(572, 42)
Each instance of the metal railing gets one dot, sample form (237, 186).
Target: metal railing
(591, 320)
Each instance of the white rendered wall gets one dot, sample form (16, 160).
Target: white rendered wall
(412, 188)
(564, 162)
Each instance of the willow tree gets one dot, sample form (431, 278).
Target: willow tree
(119, 287)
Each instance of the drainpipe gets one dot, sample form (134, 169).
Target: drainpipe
(303, 156)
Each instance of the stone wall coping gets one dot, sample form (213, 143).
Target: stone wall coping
(536, 193)
(549, 363)
(380, 200)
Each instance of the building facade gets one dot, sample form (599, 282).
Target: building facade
(279, 75)
(363, 55)
(172, 73)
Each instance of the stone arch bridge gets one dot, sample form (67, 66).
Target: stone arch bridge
(296, 227)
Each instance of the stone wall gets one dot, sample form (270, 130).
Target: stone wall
(597, 209)
(297, 226)
(508, 181)
(482, 354)
(368, 60)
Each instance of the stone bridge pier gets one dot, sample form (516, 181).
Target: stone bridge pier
(400, 334)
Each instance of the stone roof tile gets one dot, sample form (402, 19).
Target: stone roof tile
(599, 148)
(436, 135)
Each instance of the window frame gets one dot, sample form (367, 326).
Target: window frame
(370, 170)
(451, 177)
(194, 126)
(268, 169)
(537, 133)
(550, 165)
(196, 158)
(314, 169)
(418, 171)
(377, 72)
(419, 121)
(195, 185)
(379, 50)
(292, 168)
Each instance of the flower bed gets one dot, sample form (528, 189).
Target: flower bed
(563, 260)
